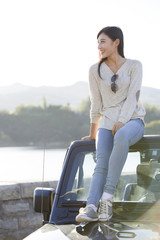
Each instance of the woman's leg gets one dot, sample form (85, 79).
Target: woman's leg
(128, 135)
(104, 144)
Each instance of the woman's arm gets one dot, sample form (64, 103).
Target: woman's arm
(95, 97)
(96, 104)
(93, 132)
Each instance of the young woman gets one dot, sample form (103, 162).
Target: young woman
(117, 120)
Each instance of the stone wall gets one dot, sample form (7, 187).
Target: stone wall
(17, 217)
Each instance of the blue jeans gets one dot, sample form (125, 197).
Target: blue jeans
(111, 154)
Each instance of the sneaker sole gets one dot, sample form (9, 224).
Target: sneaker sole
(85, 219)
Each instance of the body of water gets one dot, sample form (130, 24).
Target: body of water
(25, 164)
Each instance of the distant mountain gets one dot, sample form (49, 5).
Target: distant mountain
(150, 96)
(17, 94)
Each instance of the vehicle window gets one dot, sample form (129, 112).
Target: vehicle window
(87, 172)
(79, 181)
(145, 185)
(128, 177)
(139, 181)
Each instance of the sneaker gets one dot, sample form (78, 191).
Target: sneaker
(105, 210)
(87, 214)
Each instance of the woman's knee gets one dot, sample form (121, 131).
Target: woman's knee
(121, 137)
(130, 133)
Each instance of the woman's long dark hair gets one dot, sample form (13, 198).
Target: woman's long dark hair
(113, 33)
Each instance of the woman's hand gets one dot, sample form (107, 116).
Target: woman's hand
(93, 132)
(116, 127)
(87, 138)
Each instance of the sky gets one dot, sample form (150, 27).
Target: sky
(53, 42)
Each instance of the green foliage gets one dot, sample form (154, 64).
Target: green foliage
(55, 125)
(4, 139)
(152, 120)
(152, 113)
(36, 125)
(152, 128)
(84, 107)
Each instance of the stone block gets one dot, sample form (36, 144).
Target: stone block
(25, 232)
(17, 218)
(10, 192)
(27, 189)
(12, 236)
(2, 237)
(9, 224)
(30, 221)
(15, 208)
(16, 234)
(53, 184)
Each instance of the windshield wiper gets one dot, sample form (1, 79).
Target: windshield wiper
(77, 190)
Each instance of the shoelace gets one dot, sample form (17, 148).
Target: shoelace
(104, 206)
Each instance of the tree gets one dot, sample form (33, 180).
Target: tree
(152, 113)
(44, 103)
(152, 128)
(84, 106)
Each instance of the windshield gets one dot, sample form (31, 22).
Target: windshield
(139, 181)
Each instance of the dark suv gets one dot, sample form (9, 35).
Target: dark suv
(136, 201)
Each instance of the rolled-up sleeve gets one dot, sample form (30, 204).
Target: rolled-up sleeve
(131, 102)
(95, 97)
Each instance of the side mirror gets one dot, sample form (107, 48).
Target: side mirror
(43, 200)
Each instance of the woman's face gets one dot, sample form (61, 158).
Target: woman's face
(106, 46)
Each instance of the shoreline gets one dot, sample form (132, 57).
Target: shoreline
(54, 145)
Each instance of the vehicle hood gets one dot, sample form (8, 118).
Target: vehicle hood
(98, 231)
